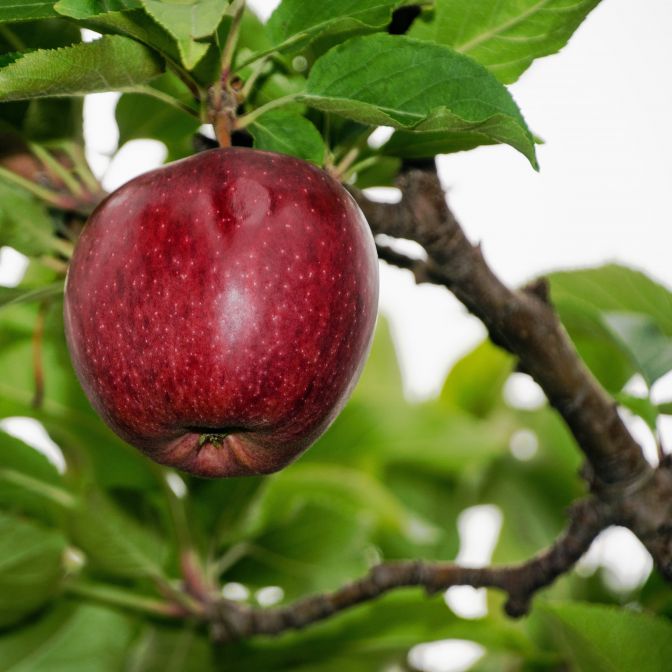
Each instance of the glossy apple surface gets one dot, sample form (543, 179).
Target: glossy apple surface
(219, 310)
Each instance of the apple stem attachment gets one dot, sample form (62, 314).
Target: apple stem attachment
(215, 439)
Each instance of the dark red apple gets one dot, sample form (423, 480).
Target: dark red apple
(219, 310)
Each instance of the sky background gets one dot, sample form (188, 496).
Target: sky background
(604, 193)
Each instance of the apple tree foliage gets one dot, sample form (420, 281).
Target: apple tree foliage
(89, 552)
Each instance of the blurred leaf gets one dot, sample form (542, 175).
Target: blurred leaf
(505, 37)
(253, 35)
(112, 62)
(30, 567)
(85, 9)
(475, 384)
(20, 10)
(583, 297)
(188, 21)
(614, 288)
(49, 119)
(349, 490)
(649, 349)
(68, 638)
(166, 649)
(605, 639)
(641, 406)
(10, 295)
(65, 411)
(114, 542)
(381, 378)
(288, 133)
(312, 548)
(436, 503)
(38, 486)
(141, 116)
(25, 224)
(379, 173)
(295, 23)
(409, 84)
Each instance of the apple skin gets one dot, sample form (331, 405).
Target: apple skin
(219, 310)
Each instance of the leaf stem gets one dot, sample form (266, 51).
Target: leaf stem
(166, 98)
(78, 158)
(238, 8)
(58, 171)
(13, 39)
(252, 116)
(252, 79)
(123, 598)
(51, 492)
(46, 195)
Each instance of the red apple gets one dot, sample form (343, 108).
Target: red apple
(219, 310)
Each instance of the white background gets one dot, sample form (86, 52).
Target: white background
(604, 192)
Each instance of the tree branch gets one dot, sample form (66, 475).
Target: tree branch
(230, 620)
(523, 322)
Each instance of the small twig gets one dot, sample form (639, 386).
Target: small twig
(589, 517)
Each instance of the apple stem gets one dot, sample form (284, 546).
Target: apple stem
(340, 170)
(222, 98)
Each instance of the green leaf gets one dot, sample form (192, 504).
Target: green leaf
(188, 21)
(69, 638)
(583, 297)
(409, 84)
(21, 10)
(114, 542)
(29, 482)
(295, 23)
(142, 116)
(476, 382)
(288, 133)
(315, 547)
(30, 567)
(641, 406)
(506, 37)
(606, 639)
(380, 172)
(110, 63)
(85, 9)
(409, 145)
(642, 339)
(171, 649)
(138, 25)
(25, 224)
